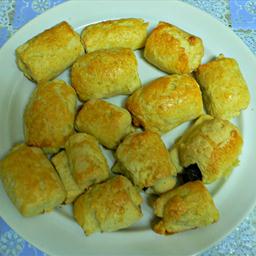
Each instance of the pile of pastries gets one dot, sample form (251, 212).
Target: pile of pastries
(61, 161)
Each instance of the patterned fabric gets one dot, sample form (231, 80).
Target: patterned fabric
(240, 15)
(243, 14)
(11, 244)
(217, 8)
(6, 18)
(15, 13)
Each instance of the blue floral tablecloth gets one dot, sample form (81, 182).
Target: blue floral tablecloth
(240, 15)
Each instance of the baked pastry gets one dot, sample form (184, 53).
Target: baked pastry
(105, 121)
(166, 103)
(86, 161)
(174, 151)
(144, 159)
(212, 144)
(30, 180)
(60, 161)
(49, 115)
(173, 50)
(105, 73)
(224, 89)
(186, 207)
(48, 54)
(125, 33)
(110, 206)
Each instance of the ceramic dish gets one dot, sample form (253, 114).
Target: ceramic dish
(57, 233)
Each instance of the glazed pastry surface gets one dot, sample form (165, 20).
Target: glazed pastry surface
(30, 181)
(48, 54)
(110, 206)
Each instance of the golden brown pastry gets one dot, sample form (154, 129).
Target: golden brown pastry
(224, 89)
(144, 159)
(60, 161)
(46, 55)
(125, 33)
(86, 161)
(105, 121)
(166, 103)
(105, 73)
(211, 143)
(110, 206)
(174, 151)
(49, 115)
(173, 50)
(186, 207)
(30, 180)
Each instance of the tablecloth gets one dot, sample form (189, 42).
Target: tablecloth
(240, 15)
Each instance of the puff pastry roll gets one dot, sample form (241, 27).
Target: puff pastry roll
(186, 207)
(110, 206)
(224, 89)
(174, 151)
(60, 161)
(87, 163)
(105, 73)
(49, 115)
(105, 121)
(212, 144)
(173, 50)
(48, 54)
(125, 33)
(144, 159)
(166, 103)
(30, 181)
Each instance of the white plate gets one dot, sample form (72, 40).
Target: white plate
(57, 233)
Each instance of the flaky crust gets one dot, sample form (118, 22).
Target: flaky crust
(86, 161)
(224, 89)
(49, 115)
(105, 73)
(110, 206)
(60, 162)
(174, 150)
(125, 33)
(173, 50)
(30, 181)
(105, 121)
(213, 144)
(166, 103)
(144, 159)
(186, 207)
(46, 55)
